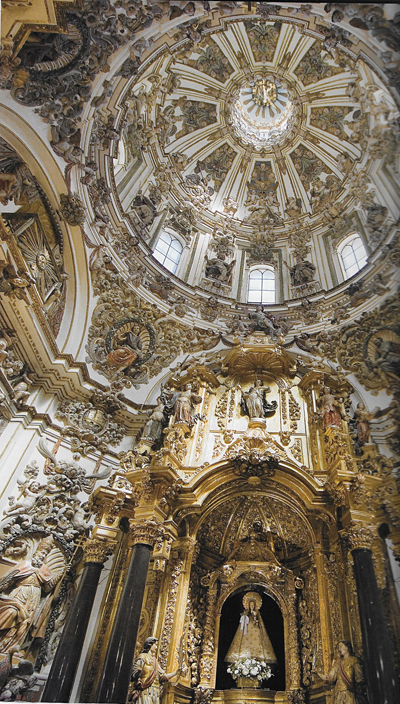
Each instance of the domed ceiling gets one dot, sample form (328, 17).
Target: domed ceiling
(259, 126)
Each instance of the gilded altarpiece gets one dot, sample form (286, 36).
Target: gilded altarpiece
(258, 488)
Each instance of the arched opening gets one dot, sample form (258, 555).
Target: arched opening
(230, 622)
(261, 286)
(352, 254)
(168, 251)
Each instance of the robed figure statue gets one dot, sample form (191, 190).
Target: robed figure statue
(251, 639)
(147, 675)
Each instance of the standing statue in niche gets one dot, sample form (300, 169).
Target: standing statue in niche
(329, 409)
(254, 403)
(147, 675)
(251, 654)
(21, 591)
(154, 425)
(347, 676)
(183, 403)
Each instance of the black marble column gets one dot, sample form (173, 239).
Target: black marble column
(63, 670)
(115, 678)
(379, 667)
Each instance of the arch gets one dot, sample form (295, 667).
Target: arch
(253, 576)
(168, 251)
(273, 612)
(261, 286)
(48, 169)
(352, 254)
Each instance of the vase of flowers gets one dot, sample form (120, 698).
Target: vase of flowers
(250, 672)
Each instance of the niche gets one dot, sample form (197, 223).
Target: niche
(273, 621)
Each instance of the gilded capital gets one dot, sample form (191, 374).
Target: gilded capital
(145, 532)
(358, 536)
(97, 550)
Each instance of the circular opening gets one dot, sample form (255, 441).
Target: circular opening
(261, 110)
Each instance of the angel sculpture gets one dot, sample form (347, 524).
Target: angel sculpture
(254, 403)
(20, 596)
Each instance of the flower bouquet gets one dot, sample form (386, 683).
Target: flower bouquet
(250, 672)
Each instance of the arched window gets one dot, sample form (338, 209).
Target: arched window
(120, 161)
(168, 251)
(261, 286)
(352, 255)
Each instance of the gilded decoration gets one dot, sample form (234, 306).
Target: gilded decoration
(316, 65)
(263, 39)
(34, 234)
(308, 165)
(92, 425)
(97, 551)
(236, 442)
(210, 59)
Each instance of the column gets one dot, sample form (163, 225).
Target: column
(63, 670)
(379, 667)
(117, 668)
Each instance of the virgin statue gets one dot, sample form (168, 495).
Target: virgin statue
(251, 642)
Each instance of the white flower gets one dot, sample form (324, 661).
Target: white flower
(254, 671)
(245, 671)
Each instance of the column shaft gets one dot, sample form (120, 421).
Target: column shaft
(114, 683)
(63, 670)
(378, 658)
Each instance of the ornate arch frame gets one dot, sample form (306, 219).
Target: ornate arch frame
(279, 584)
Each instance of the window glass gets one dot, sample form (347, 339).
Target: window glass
(168, 252)
(261, 286)
(353, 255)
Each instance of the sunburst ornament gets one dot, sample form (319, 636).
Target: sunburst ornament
(36, 252)
(264, 92)
(261, 111)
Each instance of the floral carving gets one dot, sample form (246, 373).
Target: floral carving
(263, 39)
(195, 115)
(314, 67)
(51, 508)
(91, 425)
(72, 209)
(212, 61)
(217, 164)
(330, 118)
(358, 536)
(308, 165)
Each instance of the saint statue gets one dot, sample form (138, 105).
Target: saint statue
(153, 427)
(183, 403)
(362, 418)
(251, 641)
(21, 591)
(147, 675)
(347, 676)
(387, 356)
(302, 272)
(329, 409)
(126, 349)
(254, 403)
